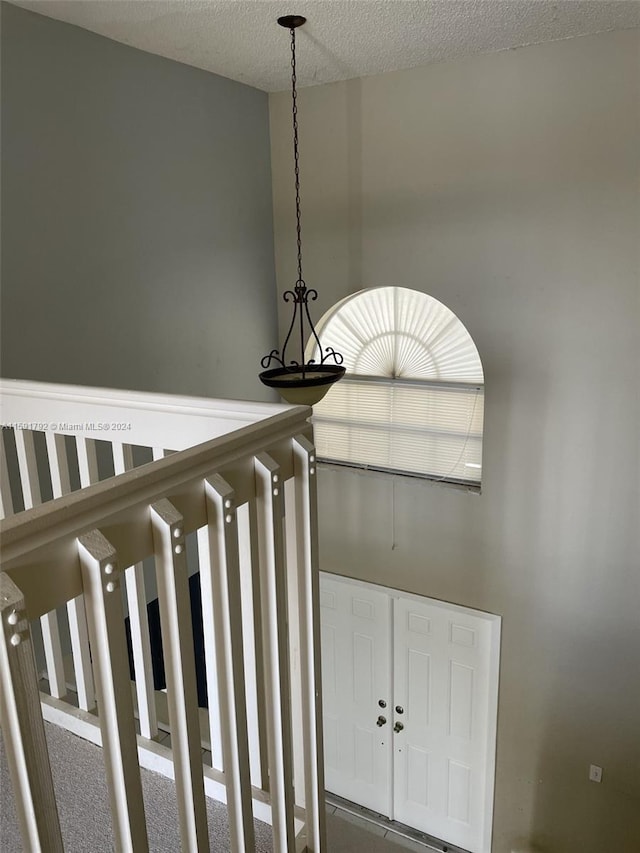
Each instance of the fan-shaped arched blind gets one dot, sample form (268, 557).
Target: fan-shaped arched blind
(412, 399)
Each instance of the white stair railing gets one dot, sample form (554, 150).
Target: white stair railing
(247, 494)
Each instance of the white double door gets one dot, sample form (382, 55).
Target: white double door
(410, 703)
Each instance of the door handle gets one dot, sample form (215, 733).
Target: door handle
(398, 727)
(381, 721)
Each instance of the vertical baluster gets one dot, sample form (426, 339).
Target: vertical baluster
(293, 616)
(58, 464)
(23, 728)
(6, 499)
(177, 645)
(105, 617)
(87, 461)
(273, 581)
(306, 530)
(252, 633)
(138, 621)
(223, 595)
(209, 637)
(28, 466)
(61, 485)
(88, 473)
(32, 497)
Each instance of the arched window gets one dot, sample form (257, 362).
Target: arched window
(412, 400)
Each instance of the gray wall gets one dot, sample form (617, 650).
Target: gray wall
(506, 186)
(136, 217)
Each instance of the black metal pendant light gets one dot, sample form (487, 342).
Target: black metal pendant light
(296, 380)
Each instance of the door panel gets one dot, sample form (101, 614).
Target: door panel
(441, 680)
(436, 772)
(356, 673)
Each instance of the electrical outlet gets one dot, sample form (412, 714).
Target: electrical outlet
(595, 773)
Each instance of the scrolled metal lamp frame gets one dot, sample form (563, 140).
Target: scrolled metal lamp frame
(294, 373)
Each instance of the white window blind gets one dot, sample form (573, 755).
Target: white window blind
(413, 397)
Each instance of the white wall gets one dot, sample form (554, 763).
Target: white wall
(507, 187)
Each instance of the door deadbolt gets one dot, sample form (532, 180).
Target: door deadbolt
(381, 721)
(382, 703)
(398, 727)
(399, 709)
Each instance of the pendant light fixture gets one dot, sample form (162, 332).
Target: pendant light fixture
(296, 380)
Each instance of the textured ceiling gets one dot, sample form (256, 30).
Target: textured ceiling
(342, 38)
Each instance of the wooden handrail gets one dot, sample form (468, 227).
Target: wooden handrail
(34, 540)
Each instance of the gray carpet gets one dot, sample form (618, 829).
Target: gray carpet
(83, 805)
(85, 818)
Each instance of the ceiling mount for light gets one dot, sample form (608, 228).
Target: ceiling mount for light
(296, 380)
(292, 21)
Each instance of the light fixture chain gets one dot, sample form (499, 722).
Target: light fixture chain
(296, 155)
(300, 381)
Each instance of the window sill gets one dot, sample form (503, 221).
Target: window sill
(378, 473)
